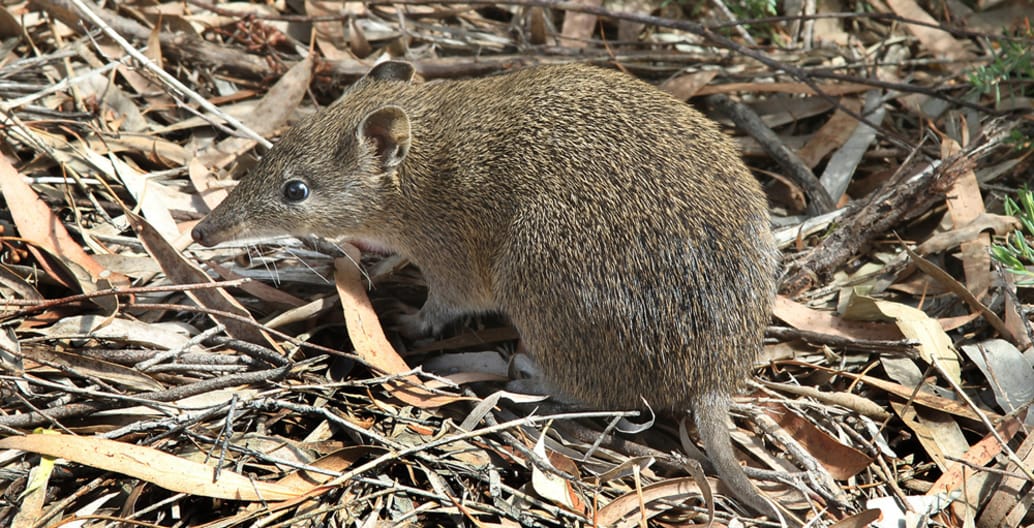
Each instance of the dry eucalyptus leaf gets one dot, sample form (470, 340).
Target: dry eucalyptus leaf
(841, 460)
(826, 322)
(182, 271)
(547, 484)
(578, 28)
(368, 338)
(38, 224)
(934, 343)
(151, 465)
(1009, 373)
(938, 432)
(271, 113)
(626, 511)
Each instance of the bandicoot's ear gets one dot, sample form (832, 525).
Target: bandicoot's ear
(392, 71)
(388, 129)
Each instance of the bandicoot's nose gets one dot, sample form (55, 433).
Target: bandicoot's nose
(200, 235)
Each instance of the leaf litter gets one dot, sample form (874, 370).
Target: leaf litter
(146, 380)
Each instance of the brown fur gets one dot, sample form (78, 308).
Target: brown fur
(616, 226)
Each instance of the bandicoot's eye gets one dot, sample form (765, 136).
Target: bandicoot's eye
(296, 191)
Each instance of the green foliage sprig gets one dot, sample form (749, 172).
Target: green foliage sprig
(1011, 67)
(1014, 252)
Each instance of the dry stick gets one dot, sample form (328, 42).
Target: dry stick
(868, 219)
(847, 400)
(819, 201)
(981, 468)
(738, 25)
(403, 377)
(12, 125)
(251, 350)
(489, 419)
(826, 485)
(433, 68)
(899, 199)
(883, 470)
(60, 85)
(448, 68)
(882, 17)
(246, 320)
(179, 45)
(354, 472)
(705, 32)
(35, 418)
(168, 80)
(41, 305)
(61, 505)
(898, 347)
(418, 451)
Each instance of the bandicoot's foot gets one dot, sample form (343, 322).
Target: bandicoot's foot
(402, 319)
(412, 326)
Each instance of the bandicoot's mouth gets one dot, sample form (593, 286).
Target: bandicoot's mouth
(370, 246)
(211, 233)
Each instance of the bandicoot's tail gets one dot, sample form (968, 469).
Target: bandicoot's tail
(709, 414)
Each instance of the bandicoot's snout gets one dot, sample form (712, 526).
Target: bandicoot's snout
(207, 233)
(199, 235)
(231, 220)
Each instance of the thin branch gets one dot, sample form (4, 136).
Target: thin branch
(167, 79)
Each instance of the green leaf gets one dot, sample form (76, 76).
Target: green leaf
(1003, 255)
(1011, 207)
